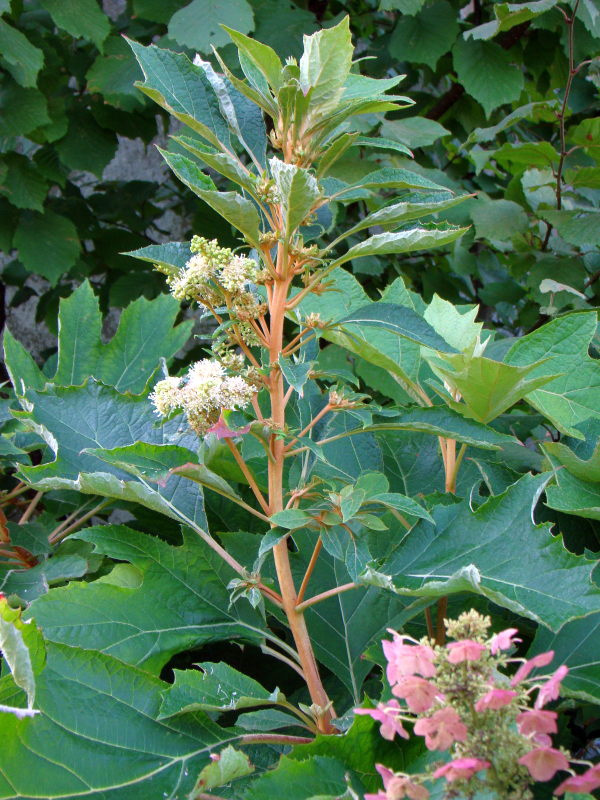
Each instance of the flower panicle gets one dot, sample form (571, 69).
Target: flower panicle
(205, 392)
(495, 730)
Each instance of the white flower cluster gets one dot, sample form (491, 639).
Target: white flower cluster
(202, 395)
(212, 272)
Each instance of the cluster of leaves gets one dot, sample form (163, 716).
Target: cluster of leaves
(406, 419)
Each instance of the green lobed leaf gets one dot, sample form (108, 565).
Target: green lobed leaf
(145, 335)
(575, 645)
(118, 751)
(573, 495)
(214, 687)
(400, 320)
(300, 780)
(17, 641)
(73, 419)
(443, 421)
(563, 343)
(229, 765)
(182, 602)
(487, 387)
(517, 564)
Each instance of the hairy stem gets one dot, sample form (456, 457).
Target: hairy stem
(285, 578)
(325, 595)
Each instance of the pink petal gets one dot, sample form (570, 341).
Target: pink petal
(495, 698)
(587, 782)
(418, 693)
(461, 768)
(503, 640)
(465, 650)
(543, 762)
(536, 721)
(541, 660)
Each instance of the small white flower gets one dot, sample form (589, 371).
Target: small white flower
(166, 396)
(237, 272)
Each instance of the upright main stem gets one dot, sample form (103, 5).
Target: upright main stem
(285, 578)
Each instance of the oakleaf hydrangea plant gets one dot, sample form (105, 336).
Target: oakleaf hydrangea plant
(262, 350)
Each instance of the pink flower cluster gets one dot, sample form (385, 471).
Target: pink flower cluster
(459, 702)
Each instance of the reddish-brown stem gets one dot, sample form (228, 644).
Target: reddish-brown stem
(449, 466)
(60, 533)
(317, 598)
(256, 407)
(429, 621)
(30, 508)
(440, 629)
(309, 570)
(285, 578)
(248, 475)
(294, 341)
(274, 738)
(308, 427)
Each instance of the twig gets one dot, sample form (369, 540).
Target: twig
(570, 23)
(30, 508)
(309, 570)
(248, 475)
(53, 539)
(317, 598)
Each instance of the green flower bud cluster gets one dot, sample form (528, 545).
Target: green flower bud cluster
(215, 276)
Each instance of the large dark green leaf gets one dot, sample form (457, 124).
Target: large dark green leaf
(564, 344)
(98, 736)
(214, 687)
(83, 19)
(498, 552)
(182, 602)
(144, 336)
(75, 419)
(575, 645)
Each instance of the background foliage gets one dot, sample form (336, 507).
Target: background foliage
(506, 109)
